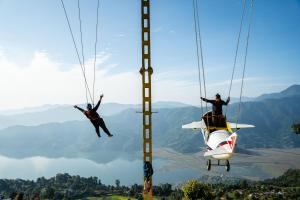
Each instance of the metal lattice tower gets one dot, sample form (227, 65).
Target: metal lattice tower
(146, 72)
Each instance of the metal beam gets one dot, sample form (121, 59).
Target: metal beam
(146, 72)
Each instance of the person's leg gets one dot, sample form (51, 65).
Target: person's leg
(218, 124)
(214, 121)
(222, 121)
(103, 126)
(97, 129)
(148, 184)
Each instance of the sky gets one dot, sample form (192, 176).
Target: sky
(38, 63)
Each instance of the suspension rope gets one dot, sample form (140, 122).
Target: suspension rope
(95, 59)
(201, 51)
(198, 57)
(245, 61)
(81, 42)
(199, 46)
(236, 51)
(77, 52)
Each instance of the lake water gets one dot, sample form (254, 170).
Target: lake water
(128, 172)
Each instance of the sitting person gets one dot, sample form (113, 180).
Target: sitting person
(217, 111)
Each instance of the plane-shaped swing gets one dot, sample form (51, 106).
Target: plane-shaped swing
(220, 140)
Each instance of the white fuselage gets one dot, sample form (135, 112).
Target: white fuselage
(220, 144)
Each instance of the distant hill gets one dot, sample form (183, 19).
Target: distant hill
(28, 109)
(62, 113)
(71, 140)
(54, 114)
(48, 133)
(169, 104)
(291, 91)
(291, 178)
(244, 99)
(272, 118)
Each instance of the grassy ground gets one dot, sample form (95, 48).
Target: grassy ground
(114, 197)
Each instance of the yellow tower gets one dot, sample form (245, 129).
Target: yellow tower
(146, 72)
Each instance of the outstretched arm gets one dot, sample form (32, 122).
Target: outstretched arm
(82, 110)
(98, 104)
(207, 100)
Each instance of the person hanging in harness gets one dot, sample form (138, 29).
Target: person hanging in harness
(217, 111)
(148, 172)
(94, 117)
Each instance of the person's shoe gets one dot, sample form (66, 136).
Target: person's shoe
(110, 135)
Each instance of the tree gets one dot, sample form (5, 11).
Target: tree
(296, 128)
(19, 196)
(176, 195)
(41, 181)
(166, 189)
(12, 195)
(47, 193)
(139, 197)
(193, 189)
(243, 184)
(117, 183)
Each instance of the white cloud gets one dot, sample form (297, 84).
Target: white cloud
(42, 82)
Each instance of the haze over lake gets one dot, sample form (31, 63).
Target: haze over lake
(128, 172)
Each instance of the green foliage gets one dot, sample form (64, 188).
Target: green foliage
(163, 190)
(193, 189)
(117, 183)
(177, 194)
(291, 178)
(296, 128)
(64, 186)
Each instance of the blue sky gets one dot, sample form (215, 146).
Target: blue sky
(39, 66)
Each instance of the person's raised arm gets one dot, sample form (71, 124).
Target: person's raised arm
(227, 101)
(99, 102)
(79, 108)
(207, 100)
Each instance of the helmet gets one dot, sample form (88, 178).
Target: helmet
(89, 106)
(218, 96)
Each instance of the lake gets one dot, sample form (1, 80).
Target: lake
(128, 172)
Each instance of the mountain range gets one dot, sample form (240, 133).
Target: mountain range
(291, 91)
(63, 113)
(59, 131)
